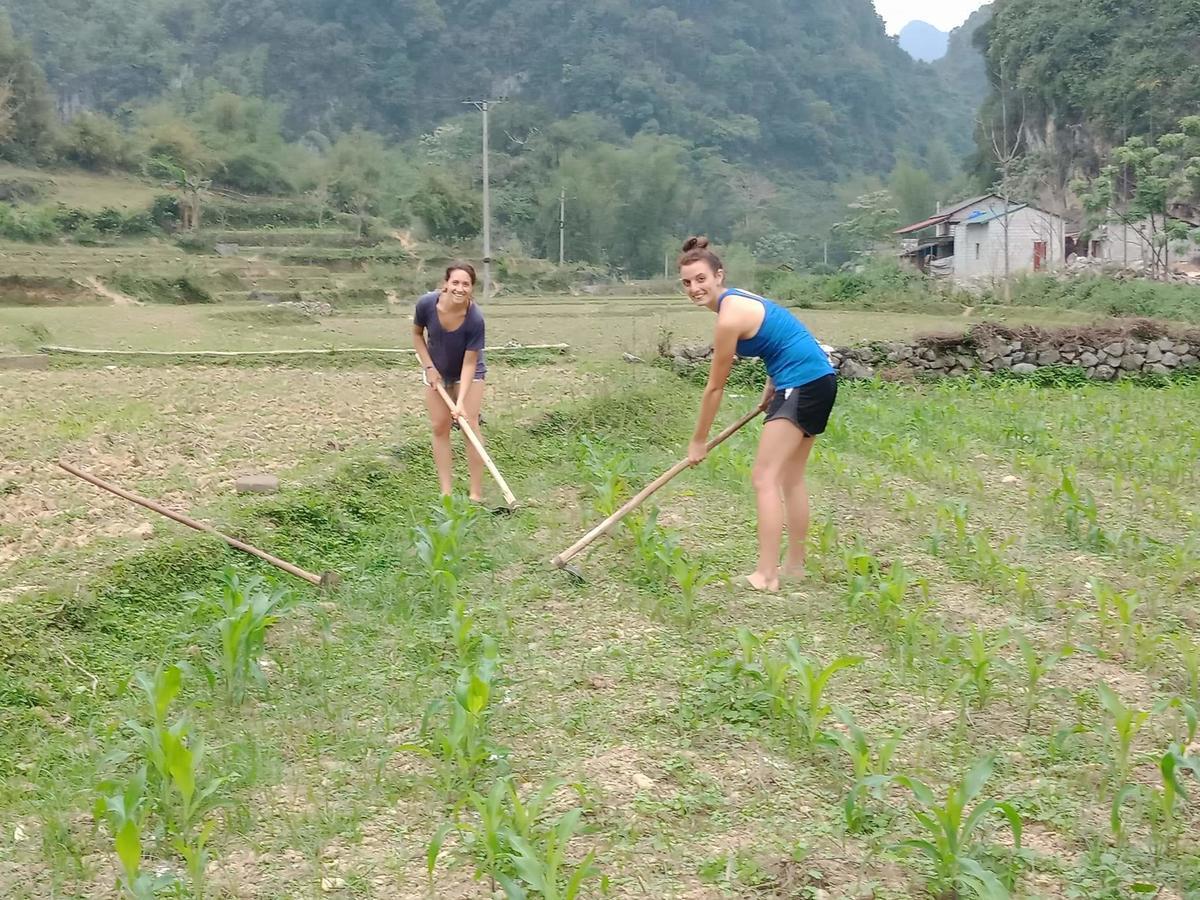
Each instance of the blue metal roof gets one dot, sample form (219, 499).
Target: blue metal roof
(983, 216)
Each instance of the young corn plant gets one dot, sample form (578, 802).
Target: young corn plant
(871, 768)
(1164, 800)
(517, 846)
(608, 476)
(952, 843)
(1125, 722)
(862, 574)
(246, 609)
(441, 544)
(810, 708)
(1188, 650)
(461, 746)
(978, 658)
(655, 548)
(1036, 666)
(175, 756)
(1080, 514)
(124, 808)
(541, 863)
(691, 577)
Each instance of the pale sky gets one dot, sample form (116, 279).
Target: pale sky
(941, 14)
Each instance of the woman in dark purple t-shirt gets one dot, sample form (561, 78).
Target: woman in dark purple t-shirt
(448, 335)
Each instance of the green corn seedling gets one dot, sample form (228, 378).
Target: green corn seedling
(541, 864)
(862, 572)
(441, 548)
(1188, 650)
(1036, 667)
(176, 757)
(1165, 799)
(462, 630)
(691, 577)
(500, 817)
(462, 746)
(246, 609)
(124, 808)
(608, 475)
(870, 766)
(979, 659)
(811, 708)
(1125, 722)
(952, 829)
(1081, 515)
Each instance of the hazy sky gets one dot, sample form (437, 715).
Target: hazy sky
(943, 14)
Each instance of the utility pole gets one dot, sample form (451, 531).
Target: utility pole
(483, 106)
(562, 224)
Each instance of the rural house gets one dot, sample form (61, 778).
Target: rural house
(967, 242)
(1142, 243)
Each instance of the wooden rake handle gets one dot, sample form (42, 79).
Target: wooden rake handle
(478, 445)
(638, 499)
(327, 580)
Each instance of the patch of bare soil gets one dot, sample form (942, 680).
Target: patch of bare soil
(183, 435)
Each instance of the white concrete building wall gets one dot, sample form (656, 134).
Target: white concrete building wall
(979, 249)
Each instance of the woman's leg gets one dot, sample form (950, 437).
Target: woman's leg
(779, 442)
(443, 459)
(473, 404)
(795, 504)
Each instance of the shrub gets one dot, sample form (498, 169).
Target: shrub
(95, 142)
(254, 174)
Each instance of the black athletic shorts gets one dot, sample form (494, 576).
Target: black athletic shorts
(808, 406)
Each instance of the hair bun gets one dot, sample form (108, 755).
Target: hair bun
(695, 243)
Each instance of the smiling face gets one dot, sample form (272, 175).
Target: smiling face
(459, 286)
(702, 284)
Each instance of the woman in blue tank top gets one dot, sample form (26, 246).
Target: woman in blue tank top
(800, 393)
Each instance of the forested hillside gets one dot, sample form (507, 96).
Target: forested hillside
(805, 83)
(1084, 77)
(756, 122)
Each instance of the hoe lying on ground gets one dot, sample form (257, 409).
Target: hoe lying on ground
(326, 580)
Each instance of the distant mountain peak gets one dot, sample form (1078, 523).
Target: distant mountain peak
(922, 41)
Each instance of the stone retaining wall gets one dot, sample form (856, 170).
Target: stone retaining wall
(1105, 353)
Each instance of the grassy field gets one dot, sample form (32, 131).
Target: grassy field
(984, 557)
(592, 327)
(86, 190)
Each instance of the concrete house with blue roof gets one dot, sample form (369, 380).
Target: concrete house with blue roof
(984, 239)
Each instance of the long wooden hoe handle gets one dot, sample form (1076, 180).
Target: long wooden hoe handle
(478, 445)
(638, 499)
(316, 580)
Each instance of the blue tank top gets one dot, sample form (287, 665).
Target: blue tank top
(789, 351)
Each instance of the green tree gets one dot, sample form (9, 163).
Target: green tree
(26, 109)
(872, 220)
(449, 211)
(1138, 188)
(94, 141)
(914, 191)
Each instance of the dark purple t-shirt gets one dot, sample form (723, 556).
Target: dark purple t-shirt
(447, 348)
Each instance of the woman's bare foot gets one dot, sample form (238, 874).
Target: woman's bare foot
(793, 572)
(756, 581)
